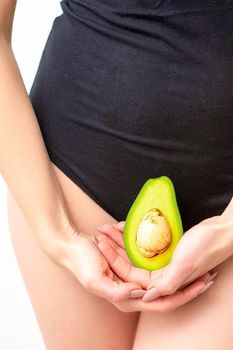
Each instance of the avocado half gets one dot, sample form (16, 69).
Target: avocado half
(153, 225)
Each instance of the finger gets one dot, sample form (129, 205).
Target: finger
(120, 225)
(205, 277)
(123, 269)
(119, 250)
(153, 293)
(110, 274)
(171, 278)
(113, 290)
(182, 296)
(113, 233)
(168, 302)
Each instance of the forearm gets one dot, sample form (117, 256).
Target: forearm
(24, 161)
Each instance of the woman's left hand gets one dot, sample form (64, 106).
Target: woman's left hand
(111, 245)
(200, 249)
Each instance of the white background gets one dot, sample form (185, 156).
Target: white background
(18, 326)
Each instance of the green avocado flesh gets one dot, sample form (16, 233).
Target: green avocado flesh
(156, 193)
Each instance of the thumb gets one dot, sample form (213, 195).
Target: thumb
(170, 279)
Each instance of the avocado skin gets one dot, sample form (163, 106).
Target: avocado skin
(155, 193)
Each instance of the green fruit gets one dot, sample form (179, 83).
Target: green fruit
(153, 225)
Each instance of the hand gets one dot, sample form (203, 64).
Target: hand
(81, 256)
(200, 249)
(111, 245)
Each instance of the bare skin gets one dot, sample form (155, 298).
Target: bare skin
(204, 323)
(45, 231)
(207, 319)
(87, 321)
(69, 316)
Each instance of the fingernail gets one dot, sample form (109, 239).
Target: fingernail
(93, 238)
(207, 286)
(103, 228)
(151, 294)
(211, 277)
(137, 293)
(97, 239)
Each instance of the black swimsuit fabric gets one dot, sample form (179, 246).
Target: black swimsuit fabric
(136, 89)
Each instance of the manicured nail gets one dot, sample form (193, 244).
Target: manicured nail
(211, 277)
(207, 286)
(151, 294)
(137, 293)
(94, 239)
(97, 239)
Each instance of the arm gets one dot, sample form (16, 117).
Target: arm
(27, 170)
(202, 248)
(227, 219)
(227, 214)
(24, 161)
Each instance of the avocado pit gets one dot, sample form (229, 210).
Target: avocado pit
(153, 234)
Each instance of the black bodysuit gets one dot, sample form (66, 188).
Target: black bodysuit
(133, 89)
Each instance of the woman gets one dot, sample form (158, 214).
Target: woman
(124, 91)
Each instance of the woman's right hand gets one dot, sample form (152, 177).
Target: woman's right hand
(81, 256)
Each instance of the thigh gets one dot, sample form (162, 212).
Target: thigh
(68, 315)
(204, 323)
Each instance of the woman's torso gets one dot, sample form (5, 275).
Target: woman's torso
(137, 89)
